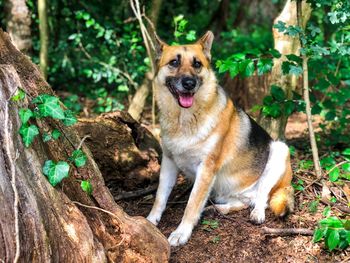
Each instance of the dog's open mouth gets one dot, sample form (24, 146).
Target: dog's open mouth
(185, 99)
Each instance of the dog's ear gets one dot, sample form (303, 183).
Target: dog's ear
(206, 41)
(159, 46)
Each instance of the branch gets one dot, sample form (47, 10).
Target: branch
(287, 231)
(314, 148)
(138, 193)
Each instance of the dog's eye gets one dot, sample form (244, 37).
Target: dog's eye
(197, 64)
(174, 63)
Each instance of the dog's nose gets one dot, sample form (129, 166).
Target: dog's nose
(188, 83)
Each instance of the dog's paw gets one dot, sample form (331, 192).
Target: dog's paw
(154, 219)
(180, 236)
(257, 216)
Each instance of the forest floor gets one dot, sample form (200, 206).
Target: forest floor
(233, 238)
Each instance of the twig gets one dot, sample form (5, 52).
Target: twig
(82, 141)
(287, 231)
(11, 166)
(97, 208)
(314, 148)
(105, 211)
(341, 208)
(138, 193)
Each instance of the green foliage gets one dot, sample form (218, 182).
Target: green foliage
(180, 31)
(334, 231)
(55, 134)
(79, 158)
(49, 106)
(69, 118)
(28, 133)
(298, 185)
(25, 115)
(55, 172)
(86, 186)
(19, 95)
(210, 225)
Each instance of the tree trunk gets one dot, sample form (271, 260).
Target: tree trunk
(61, 224)
(127, 154)
(285, 45)
(18, 24)
(44, 36)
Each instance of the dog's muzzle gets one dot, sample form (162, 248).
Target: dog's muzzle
(183, 89)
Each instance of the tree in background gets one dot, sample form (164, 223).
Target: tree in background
(18, 22)
(44, 36)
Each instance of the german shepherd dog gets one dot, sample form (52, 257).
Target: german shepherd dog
(217, 145)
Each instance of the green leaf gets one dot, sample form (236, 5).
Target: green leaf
(69, 118)
(79, 158)
(346, 151)
(318, 234)
(346, 167)
(289, 107)
(86, 186)
(280, 26)
(278, 93)
(51, 108)
(275, 53)
(55, 134)
(25, 115)
(332, 239)
(334, 174)
(47, 137)
(19, 95)
(28, 133)
(247, 68)
(313, 206)
(42, 98)
(233, 69)
(55, 172)
(264, 65)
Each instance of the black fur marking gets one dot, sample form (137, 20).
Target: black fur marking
(259, 141)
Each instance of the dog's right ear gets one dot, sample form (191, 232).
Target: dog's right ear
(159, 46)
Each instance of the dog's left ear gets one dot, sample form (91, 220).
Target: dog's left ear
(206, 41)
(159, 46)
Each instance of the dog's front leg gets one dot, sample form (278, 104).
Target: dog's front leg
(199, 195)
(167, 180)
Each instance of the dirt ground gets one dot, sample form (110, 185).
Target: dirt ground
(233, 238)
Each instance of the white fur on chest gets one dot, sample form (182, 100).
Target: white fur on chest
(188, 153)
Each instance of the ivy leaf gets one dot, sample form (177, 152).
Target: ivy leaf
(47, 137)
(20, 95)
(234, 69)
(55, 134)
(55, 172)
(42, 98)
(275, 53)
(69, 118)
(25, 115)
(79, 158)
(295, 70)
(28, 133)
(86, 186)
(332, 239)
(51, 108)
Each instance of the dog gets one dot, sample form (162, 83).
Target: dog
(214, 143)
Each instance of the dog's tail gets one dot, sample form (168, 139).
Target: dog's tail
(282, 196)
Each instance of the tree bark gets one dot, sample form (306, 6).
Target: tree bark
(18, 22)
(285, 45)
(62, 223)
(44, 36)
(127, 154)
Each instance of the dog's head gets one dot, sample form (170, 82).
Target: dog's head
(183, 69)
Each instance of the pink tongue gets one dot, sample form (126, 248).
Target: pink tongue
(186, 101)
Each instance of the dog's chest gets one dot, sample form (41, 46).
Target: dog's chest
(188, 153)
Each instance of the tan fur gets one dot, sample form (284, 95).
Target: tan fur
(281, 197)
